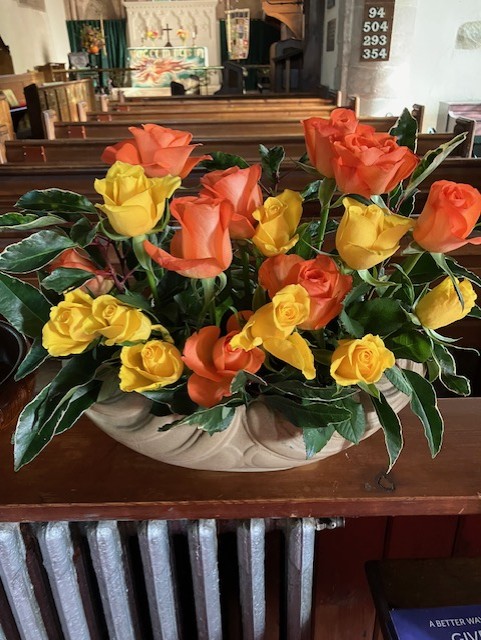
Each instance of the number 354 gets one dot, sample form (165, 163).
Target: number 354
(374, 54)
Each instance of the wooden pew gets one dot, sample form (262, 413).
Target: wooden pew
(183, 116)
(16, 179)
(82, 151)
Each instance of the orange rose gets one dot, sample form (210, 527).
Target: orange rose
(241, 188)
(161, 151)
(321, 132)
(320, 277)
(215, 364)
(371, 164)
(449, 215)
(202, 248)
(78, 259)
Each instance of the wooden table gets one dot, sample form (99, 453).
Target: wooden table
(85, 475)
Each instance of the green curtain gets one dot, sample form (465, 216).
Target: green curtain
(115, 38)
(262, 35)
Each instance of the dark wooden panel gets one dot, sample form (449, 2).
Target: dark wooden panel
(421, 537)
(343, 607)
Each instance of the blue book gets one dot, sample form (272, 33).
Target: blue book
(440, 623)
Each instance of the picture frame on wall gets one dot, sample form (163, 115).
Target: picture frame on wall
(331, 4)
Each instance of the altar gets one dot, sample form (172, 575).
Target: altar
(168, 41)
(159, 66)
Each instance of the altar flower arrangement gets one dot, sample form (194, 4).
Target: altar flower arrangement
(206, 300)
(182, 34)
(91, 39)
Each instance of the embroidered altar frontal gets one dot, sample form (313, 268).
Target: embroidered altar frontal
(159, 66)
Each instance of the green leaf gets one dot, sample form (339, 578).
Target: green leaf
(316, 439)
(23, 306)
(379, 316)
(327, 188)
(212, 420)
(431, 161)
(370, 389)
(406, 291)
(410, 344)
(366, 275)
(405, 130)
(351, 326)
(307, 416)
(243, 378)
(424, 405)
(32, 435)
(461, 272)
(62, 279)
(19, 222)
(397, 378)
(34, 252)
(311, 191)
(354, 428)
(305, 391)
(475, 312)
(271, 160)
(391, 426)
(83, 232)
(76, 372)
(447, 371)
(64, 203)
(34, 358)
(308, 232)
(357, 293)
(440, 260)
(222, 161)
(135, 300)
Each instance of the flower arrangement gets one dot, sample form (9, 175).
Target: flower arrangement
(183, 34)
(152, 34)
(203, 303)
(91, 39)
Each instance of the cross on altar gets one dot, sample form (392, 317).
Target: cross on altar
(168, 29)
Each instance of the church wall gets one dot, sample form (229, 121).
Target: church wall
(427, 64)
(330, 58)
(34, 37)
(439, 70)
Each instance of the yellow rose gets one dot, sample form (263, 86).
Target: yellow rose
(278, 221)
(149, 366)
(133, 203)
(292, 306)
(65, 334)
(118, 322)
(367, 235)
(260, 326)
(295, 351)
(441, 306)
(362, 360)
(277, 319)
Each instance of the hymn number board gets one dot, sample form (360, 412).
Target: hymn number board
(377, 30)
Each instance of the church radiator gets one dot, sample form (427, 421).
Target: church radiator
(158, 579)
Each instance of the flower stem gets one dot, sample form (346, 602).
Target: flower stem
(208, 285)
(245, 268)
(326, 191)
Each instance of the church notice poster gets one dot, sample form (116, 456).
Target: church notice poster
(441, 623)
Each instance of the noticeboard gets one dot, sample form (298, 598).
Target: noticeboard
(377, 30)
